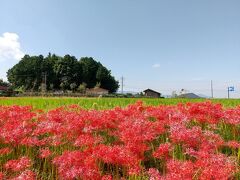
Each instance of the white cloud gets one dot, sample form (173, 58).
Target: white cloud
(10, 52)
(156, 65)
(10, 47)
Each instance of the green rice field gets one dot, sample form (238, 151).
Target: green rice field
(102, 103)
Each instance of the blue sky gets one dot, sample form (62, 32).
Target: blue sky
(164, 45)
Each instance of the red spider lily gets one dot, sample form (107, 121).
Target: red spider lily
(33, 141)
(211, 141)
(167, 114)
(45, 153)
(205, 112)
(233, 144)
(87, 140)
(137, 150)
(190, 137)
(107, 177)
(231, 116)
(154, 174)
(118, 143)
(26, 175)
(180, 170)
(163, 151)
(5, 151)
(15, 123)
(19, 164)
(76, 164)
(212, 166)
(136, 131)
(55, 140)
(1, 176)
(118, 155)
(215, 167)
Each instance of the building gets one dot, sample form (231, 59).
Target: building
(97, 91)
(152, 93)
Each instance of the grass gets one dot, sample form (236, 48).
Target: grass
(101, 103)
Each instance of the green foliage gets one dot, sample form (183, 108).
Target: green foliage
(103, 103)
(90, 67)
(73, 86)
(82, 88)
(3, 83)
(98, 85)
(66, 73)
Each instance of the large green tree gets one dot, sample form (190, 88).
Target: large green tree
(68, 71)
(49, 63)
(90, 67)
(27, 73)
(65, 73)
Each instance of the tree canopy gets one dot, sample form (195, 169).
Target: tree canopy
(66, 73)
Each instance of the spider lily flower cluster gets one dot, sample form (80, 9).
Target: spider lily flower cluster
(197, 141)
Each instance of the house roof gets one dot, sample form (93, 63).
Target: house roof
(151, 91)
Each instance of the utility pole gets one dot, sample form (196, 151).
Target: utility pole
(228, 92)
(212, 89)
(122, 83)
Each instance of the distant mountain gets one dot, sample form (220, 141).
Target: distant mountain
(189, 96)
(203, 96)
(127, 92)
(166, 96)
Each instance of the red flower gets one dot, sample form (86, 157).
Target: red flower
(163, 151)
(233, 144)
(19, 164)
(87, 140)
(107, 177)
(154, 174)
(118, 155)
(108, 144)
(180, 170)
(77, 164)
(215, 167)
(232, 116)
(190, 137)
(5, 151)
(26, 175)
(1, 176)
(45, 153)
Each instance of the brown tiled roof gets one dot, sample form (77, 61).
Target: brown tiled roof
(151, 91)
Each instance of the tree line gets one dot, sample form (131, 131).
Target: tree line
(65, 73)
